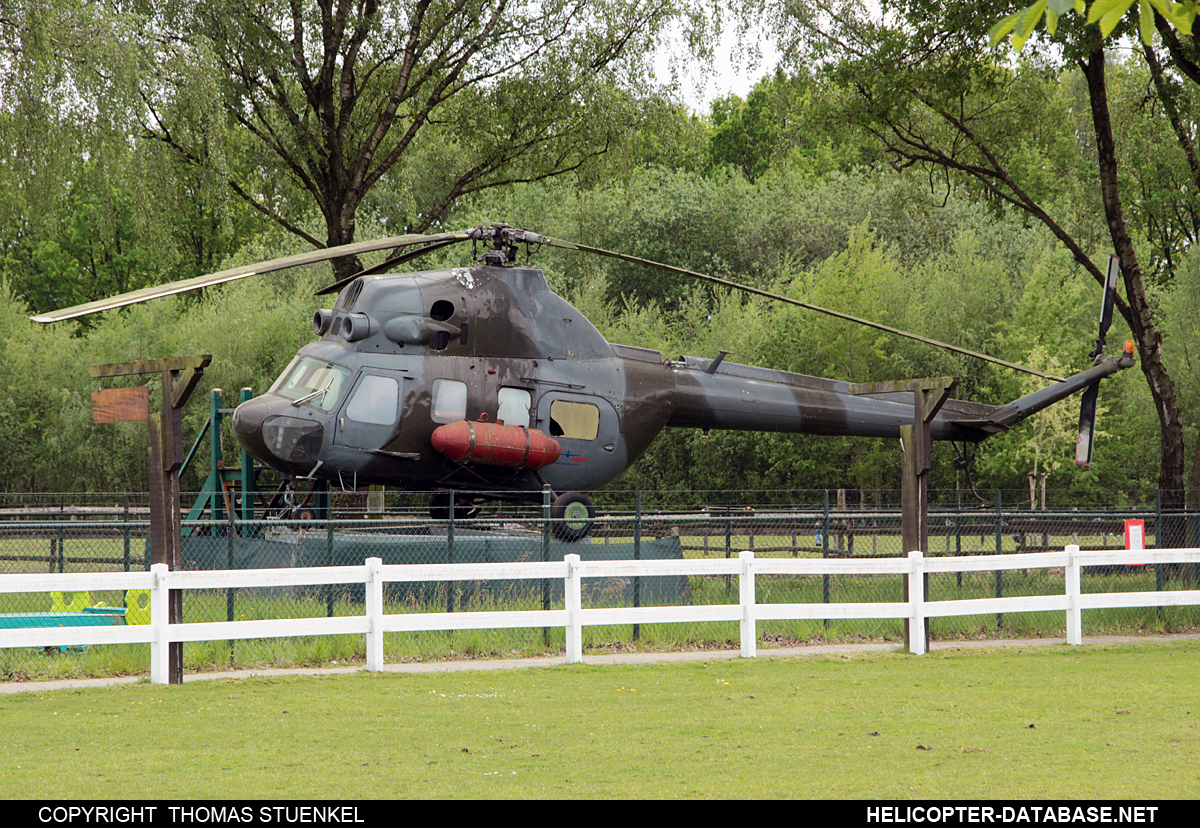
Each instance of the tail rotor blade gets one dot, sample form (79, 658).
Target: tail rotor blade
(1107, 301)
(1087, 425)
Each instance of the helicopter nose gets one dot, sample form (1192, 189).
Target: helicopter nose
(274, 437)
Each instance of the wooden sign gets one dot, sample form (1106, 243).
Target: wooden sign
(121, 405)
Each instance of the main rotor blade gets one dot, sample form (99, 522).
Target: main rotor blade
(566, 245)
(386, 264)
(234, 273)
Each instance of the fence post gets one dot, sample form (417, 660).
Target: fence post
(825, 554)
(637, 556)
(450, 554)
(916, 600)
(159, 617)
(746, 599)
(1074, 613)
(1158, 544)
(126, 532)
(573, 601)
(546, 556)
(999, 551)
(328, 562)
(230, 600)
(728, 538)
(374, 610)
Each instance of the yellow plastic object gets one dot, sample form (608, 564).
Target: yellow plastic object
(137, 606)
(79, 601)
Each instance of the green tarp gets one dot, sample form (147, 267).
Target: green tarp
(318, 547)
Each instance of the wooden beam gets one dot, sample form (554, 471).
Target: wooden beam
(149, 366)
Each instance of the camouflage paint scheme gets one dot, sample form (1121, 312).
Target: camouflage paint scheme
(502, 327)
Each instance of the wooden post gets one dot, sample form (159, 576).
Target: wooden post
(179, 378)
(929, 395)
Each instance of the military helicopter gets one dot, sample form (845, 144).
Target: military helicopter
(481, 379)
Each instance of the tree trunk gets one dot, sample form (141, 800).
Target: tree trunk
(1146, 337)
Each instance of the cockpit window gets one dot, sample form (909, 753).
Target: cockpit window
(312, 382)
(375, 401)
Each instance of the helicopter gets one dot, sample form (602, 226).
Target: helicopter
(482, 380)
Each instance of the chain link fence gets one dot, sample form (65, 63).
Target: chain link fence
(95, 533)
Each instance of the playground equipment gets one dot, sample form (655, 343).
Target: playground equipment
(70, 609)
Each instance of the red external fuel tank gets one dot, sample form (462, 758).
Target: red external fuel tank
(493, 444)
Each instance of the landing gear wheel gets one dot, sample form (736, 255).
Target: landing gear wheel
(573, 515)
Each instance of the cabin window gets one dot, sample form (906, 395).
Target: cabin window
(513, 408)
(376, 401)
(574, 421)
(312, 381)
(449, 401)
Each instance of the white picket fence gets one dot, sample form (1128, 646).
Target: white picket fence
(374, 622)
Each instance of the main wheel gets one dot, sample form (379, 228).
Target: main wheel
(573, 515)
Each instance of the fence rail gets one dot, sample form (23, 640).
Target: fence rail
(373, 622)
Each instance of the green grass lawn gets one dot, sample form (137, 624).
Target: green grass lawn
(1059, 722)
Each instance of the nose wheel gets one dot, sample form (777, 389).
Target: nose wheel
(573, 516)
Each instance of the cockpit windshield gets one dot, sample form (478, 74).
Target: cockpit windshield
(312, 382)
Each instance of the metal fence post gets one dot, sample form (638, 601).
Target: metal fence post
(958, 543)
(546, 556)
(328, 562)
(637, 556)
(825, 552)
(573, 601)
(229, 563)
(1158, 544)
(450, 554)
(746, 599)
(126, 531)
(916, 599)
(728, 539)
(999, 551)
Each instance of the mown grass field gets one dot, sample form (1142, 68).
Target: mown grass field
(1056, 722)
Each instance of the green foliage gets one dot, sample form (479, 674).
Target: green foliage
(1107, 13)
(786, 120)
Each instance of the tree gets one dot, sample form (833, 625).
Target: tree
(438, 99)
(88, 205)
(787, 119)
(933, 96)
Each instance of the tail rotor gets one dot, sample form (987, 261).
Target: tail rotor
(1087, 409)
